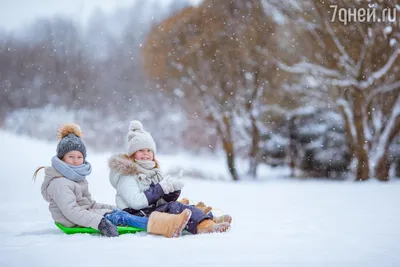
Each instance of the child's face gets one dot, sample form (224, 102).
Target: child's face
(73, 157)
(144, 154)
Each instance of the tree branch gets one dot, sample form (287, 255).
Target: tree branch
(382, 71)
(383, 90)
(348, 62)
(346, 110)
(388, 133)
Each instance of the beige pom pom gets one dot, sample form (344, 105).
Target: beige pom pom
(68, 128)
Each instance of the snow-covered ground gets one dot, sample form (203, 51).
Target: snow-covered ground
(277, 222)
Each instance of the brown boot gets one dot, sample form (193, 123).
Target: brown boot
(224, 218)
(208, 226)
(201, 206)
(168, 225)
(184, 201)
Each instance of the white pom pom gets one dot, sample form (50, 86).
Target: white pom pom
(135, 126)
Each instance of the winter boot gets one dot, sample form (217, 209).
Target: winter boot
(209, 226)
(168, 225)
(107, 228)
(184, 201)
(201, 206)
(223, 218)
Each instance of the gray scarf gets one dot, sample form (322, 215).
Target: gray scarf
(74, 173)
(148, 172)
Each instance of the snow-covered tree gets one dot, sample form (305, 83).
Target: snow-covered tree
(320, 146)
(168, 58)
(219, 56)
(356, 67)
(96, 68)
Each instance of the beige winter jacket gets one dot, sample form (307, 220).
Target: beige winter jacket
(70, 202)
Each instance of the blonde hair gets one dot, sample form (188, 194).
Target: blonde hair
(36, 172)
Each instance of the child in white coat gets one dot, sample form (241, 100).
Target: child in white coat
(70, 203)
(142, 189)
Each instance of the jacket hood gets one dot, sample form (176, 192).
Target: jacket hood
(122, 165)
(50, 174)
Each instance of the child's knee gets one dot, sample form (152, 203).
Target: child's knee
(177, 206)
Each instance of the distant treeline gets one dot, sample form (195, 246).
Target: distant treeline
(273, 82)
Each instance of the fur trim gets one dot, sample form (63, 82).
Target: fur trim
(122, 164)
(68, 128)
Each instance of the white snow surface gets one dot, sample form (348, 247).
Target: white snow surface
(277, 221)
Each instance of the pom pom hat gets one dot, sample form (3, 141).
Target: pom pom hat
(70, 136)
(139, 139)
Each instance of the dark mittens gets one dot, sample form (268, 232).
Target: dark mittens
(107, 228)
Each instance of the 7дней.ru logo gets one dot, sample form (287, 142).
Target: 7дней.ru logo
(370, 14)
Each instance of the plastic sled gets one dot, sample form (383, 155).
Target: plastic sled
(87, 230)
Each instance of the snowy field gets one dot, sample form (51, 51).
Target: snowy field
(277, 222)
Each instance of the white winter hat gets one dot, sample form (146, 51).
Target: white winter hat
(139, 138)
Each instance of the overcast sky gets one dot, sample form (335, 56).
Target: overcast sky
(15, 14)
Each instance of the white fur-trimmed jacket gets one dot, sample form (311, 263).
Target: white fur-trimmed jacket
(135, 190)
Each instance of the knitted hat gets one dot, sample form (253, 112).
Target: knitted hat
(70, 139)
(139, 138)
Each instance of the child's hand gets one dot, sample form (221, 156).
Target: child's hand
(167, 185)
(107, 228)
(177, 183)
(170, 184)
